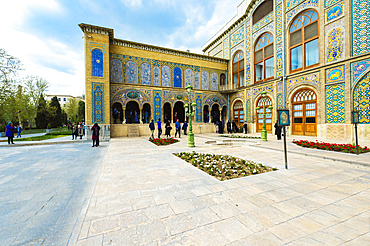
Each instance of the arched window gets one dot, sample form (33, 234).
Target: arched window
(97, 63)
(304, 41)
(264, 58)
(304, 113)
(238, 69)
(264, 9)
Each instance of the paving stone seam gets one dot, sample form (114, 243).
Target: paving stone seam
(73, 238)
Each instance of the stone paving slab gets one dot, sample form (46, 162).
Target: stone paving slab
(147, 196)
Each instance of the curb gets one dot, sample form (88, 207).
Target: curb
(317, 156)
(46, 143)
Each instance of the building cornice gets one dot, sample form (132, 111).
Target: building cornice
(87, 28)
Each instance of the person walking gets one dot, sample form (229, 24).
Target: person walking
(235, 127)
(19, 130)
(74, 131)
(277, 131)
(168, 129)
(95, 134)
(245, 125)
(10, 129)
(185, 127)
(80, 130)
(228, 127)
(222, 126)
(159, 127)
(152, 128)
(178, 128)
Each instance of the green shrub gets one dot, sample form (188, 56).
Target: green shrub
(49, 126)
(2, 128)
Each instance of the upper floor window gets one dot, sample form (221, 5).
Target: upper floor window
(222, 79)
(261, 11)
(238, 69)
(304, 41)
(264, 58)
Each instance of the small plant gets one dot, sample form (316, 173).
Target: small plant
(2, 128)
(163, 141)
(48, 126)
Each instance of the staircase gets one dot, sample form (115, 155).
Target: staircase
(133, 131)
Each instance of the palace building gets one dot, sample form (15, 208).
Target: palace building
(311, 57)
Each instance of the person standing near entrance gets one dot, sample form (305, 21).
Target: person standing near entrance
(95, 134)
(185, 127)
(245, 125)
(229, 127)
(10, 129)
(19, 130)
(152, 128)
(168, 129)
(277, 131)
(159, 127)
(178, 128)
(235, 128)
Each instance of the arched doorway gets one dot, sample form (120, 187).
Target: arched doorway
(206, 113)
(117, 113)
(132, 112)
(166, 112)
(215, 114)
(179, 112)
(238, 113)
(146, 113)
(304, 110)
(361, 101)
(264, 101)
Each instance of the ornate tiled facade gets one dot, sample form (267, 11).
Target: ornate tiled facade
(335, 75)
(335, 44)
(157, 99)
(361, 26)
(311, 79)
(334, 12)
(306, 5)
(330, 2)
(359, 69)
(266, 20)
(98, 103)
(335, 103)
(199, 110)
(237, 36)
(97, 63)
(361, 99)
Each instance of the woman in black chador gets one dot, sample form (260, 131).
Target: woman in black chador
(277, 131)
(228, 127)
(168, 129)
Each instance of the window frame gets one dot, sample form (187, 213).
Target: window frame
(304, 42)
(239, 70)
(263, 59)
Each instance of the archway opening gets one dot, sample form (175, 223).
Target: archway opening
(146, 113)
(264, 103)
(132, 112)
(215, 113)
(361, 101)
(166, 112)
(238, 113)
(179, 112)
(304, 113)
(117, 113)
(206, 113)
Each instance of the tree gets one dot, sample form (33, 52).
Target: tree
(43, 115)
(81, 110)
(29, 98)
(56, 112)
(71, 108)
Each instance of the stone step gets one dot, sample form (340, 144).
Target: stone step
(133, 131)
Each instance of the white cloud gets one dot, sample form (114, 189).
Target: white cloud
(132, 3)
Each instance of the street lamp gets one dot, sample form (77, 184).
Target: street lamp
(190, 111)
(264, 132)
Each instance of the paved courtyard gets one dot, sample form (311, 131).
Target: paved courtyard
(144, 195)
(43, 189)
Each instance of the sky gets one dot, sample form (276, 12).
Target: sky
(45, 36)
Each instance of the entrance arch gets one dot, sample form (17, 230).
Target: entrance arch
(264, 101)
(361, 98)
(238, 113)
(166, 112)
(146, 113)
(132, 112)
(179, 112)
(215, 113)
(117, 113)
(304, 111)
(206, 113)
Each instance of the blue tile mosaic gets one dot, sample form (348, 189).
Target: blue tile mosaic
(97, 63)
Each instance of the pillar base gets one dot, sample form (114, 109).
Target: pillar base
(263, 135)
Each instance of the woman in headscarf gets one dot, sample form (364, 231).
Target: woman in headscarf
(10, 128)
(168, 128)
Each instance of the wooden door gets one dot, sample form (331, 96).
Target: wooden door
(266, 101)
(304, 108)
(238, 113)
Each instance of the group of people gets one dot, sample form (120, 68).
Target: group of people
(10, 130)
(78, 130)
(168, 128)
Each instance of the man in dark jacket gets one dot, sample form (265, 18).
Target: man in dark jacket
(185, 127)
(152, 128)
(277, 131)
(229, 127)
(159, 127)
(178, 128)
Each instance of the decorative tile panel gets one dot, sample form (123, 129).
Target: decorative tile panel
(237, 37)
(335, 44)
(267, 88)
(279, 60)
(156, 76)
(359, 69)
(145, 73)
(279, 101)
(361, 99)
(98, 103)
(248, 74)
(131, 72)
(97, 63)
(312, 79)
(249, 111)
(157, 109)
(198, 112)
(177, 77)
(279, 22)
(268, 28)
(308, 4)
(116, 71)
(334, 12)
(263, 22)
(205, 80)
(291, 4)
(279, 87)
(166, 76)
(196, 80)
(335, 75)
(236, 48)
(361, 26)
(214, 81)
(335, 103)
(247, 39)
(330, 2)
(188, 77)
(226, 49)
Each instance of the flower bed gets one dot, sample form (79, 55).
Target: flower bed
(346, 148)
(223, 166)
(239, 136)
(163, 141)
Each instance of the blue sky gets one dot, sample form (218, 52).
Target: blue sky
(45, 36)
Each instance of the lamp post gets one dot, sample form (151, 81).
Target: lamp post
(264, 132)
(190, 111)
